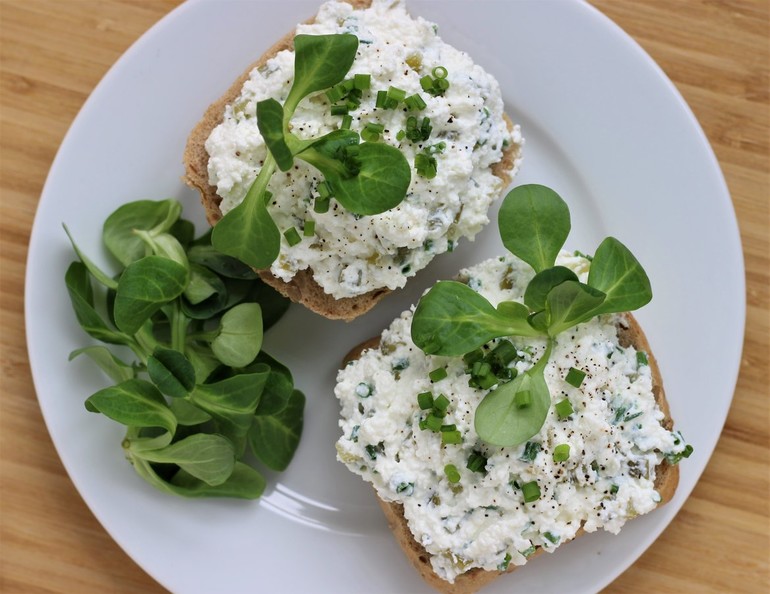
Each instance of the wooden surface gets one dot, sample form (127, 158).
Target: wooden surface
(53, 54)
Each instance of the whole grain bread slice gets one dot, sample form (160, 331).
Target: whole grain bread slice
(666, 477)
(302, 288)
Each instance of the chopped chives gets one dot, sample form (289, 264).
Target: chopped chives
(396, 94)
(531, 491)
(503, 565)
(324, 190)
(400, 135)
(347, 120)
(614, 489)
(453, 437)
(561, 452)
(335, 94)
(452, 474)
(415, 102)
(451, 427)
(477, 462)
(563, 408)
(575, 377)
(374, 450)
(405, 488)
(641, 358)
(309, 229)
(425, 400)
(362, 81)
(433, 423)
(438, 374)
(440, 85)
(481, 368)
(440, 72)
(400, 364)
(441, 403)
(425, 165)
(523, 399)
(363, 390)
(531, 450)
(381, 100)
(528, 552)
(355, 96)
(321, 205)
(435, 86)
(371, 131)
(292, 236)
(674, 459)
(425, 128)
(339, 110)
(435, 148)
(551, 537)
(473, 356)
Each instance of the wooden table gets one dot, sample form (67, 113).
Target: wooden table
(53, 54)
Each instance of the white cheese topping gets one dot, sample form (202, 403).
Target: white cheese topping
(615, 437)
(352, 255)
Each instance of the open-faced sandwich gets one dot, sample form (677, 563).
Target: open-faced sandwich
(515, 407)
(350, 154)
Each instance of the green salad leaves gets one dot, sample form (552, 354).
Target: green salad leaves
(200, 393)
(365, 178)
(452, 319)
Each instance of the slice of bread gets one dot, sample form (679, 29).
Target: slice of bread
(302, 288)
(666, 478)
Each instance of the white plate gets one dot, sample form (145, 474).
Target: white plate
(604, 126)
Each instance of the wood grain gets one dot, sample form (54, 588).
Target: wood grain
(54, 52)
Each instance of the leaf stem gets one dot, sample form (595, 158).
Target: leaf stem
(543, 360)
(146, 343)
(259, 187)
(179, 324)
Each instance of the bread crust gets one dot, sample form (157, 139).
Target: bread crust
(302, 288)
(630, 333)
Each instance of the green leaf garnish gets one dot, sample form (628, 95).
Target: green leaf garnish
(248, 232)
(569, 304)
(270, 124)
(541, 284)
(240, 335)
(366, 179)
(171, 372)
(499, 421)
(274, 438)
(320, 62)
(616, 272)
(193, 318)
(534, 223)
(134, 402)
(145, 286)
(452, 320)
(119, 231)
(81, 295)
(209, 458)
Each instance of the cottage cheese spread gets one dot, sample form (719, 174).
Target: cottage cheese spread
(615, 436)
(352, 255)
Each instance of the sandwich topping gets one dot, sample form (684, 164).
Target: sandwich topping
(410, 90)
(408, 428)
